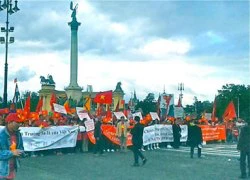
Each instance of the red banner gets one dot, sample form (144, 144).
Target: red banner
(110, 132)
(91, 137)
(210, 133)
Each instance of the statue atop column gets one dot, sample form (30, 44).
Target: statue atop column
(73, 15)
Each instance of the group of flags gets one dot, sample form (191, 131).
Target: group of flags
(165, 108)
(165, 105)
(106, 98)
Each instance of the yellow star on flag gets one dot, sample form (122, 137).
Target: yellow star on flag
(102, 97)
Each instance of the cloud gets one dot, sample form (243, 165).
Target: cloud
(145, 45)
(163, 47)
(215, 38)
(23, 74)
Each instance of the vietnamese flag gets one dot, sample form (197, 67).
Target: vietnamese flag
(109, 113)
(100, 110)
(4, 111)
(52, 100)
(27, 105)
(67, 107)
(103, 97)
(39, 105)
(229, 113)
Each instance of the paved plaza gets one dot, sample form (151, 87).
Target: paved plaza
(219, 161)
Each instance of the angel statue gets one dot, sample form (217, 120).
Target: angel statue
(73, 15)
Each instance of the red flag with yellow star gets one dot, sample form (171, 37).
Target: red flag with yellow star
(103, 97)
(27, 105)
(39, 105)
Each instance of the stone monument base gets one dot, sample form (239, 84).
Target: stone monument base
(74, 93)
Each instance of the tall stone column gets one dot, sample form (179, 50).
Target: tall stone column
(73, 90)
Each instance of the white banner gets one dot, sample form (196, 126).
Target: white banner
(59, 108)
(79, 109)
(90, 125)
(162, 133)
(83, 115)
(154, 116)
(208, 116)
(118, 115)
(82, 128)
(137, 114)
(35, 138)
(166, 132)
(149, 135)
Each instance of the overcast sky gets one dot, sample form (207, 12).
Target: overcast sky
(147, 45)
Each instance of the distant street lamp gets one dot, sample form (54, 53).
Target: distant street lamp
(7, 4)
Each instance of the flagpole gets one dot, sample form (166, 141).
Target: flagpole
(21, 102)
(238, 107)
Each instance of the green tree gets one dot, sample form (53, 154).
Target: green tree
(199, 107)
(239, 94)
(147, 105)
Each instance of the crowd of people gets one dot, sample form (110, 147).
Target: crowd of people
(11, 145)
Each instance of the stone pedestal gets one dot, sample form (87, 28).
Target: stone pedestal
(46, 93)
(74, 93)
